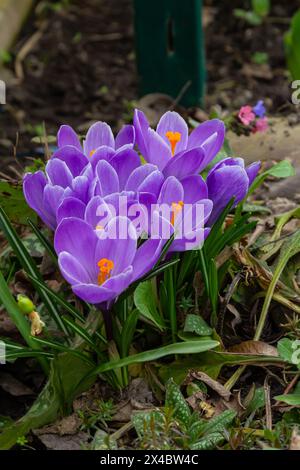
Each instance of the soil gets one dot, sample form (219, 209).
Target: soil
(79, 67)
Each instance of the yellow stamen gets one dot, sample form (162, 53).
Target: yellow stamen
(105, 267)
(176, 209)
(99, 227)
(173, 138)
(92, 153)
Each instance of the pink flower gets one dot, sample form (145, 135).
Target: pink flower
(246, 115)
(261, 125)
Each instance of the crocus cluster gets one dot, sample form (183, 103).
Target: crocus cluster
(254, 117)
(92, 190)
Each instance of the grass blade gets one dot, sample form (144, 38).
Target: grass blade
(29, 266)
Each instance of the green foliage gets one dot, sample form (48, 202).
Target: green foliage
(196, 324)
(260, 9)
(291, 398)
(14, 204)
(176, 427)
(292, 47)
(146, 302)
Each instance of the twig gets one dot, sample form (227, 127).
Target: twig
(269, 423)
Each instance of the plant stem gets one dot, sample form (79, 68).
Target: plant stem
(108, 324)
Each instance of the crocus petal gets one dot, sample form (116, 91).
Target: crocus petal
(117, 243)
(171, 192)
(252, 171)
(125, 162)
(192, 241)
(141, 126)
(77, 237)
(185, 164)
(59, 173)
(92, 293)
(71, 269)
(70, 207)
(98, 213)
(224, 184)
(210, 135)
(53, 196)
(75, 160)
(173, 122)
(138, 176)
(81, 188)
(119, 282)
(146, 257)
(67, 136)
(194, 188)
(108, 180)
(145, 178)
(98, 134)
(125, 136)
(33, 189)
(158, 151)
(102, 153)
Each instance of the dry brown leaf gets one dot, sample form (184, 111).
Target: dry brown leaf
(254, 347)
(216, 386)
(13, 386)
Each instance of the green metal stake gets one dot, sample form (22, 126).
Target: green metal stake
(170, 49)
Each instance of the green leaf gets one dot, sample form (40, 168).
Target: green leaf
(208, 442)
(18, 318)
(288, 250)
(58, 299)
(128, 331)
(291, 398)
(261, 7)
(13, 202)
(219, 423)
(283, 169)
(191, 347)
(145, 302)
(258, 400)
(196, 324)
(66, 381)
(43, 240)
(291, 41)
(175, 400)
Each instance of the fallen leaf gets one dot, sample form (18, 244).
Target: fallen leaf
(214, 384)
(254, 347)
(13, 386)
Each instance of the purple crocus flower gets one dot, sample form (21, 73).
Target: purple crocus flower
(44, 192)
(229, 179)
(259, 109)
(184, 208)
(171, 148)
(98, 135)
(99, 269)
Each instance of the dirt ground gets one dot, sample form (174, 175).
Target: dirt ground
(77, 64)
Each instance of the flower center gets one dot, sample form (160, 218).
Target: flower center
(176, 209)
(105, 267)
(92, 153)
(173, 138)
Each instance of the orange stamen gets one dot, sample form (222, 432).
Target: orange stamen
(92, 153)
(173, 138)
(176, 209)
(105, 267)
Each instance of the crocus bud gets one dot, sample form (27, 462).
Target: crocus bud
(25, 304)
